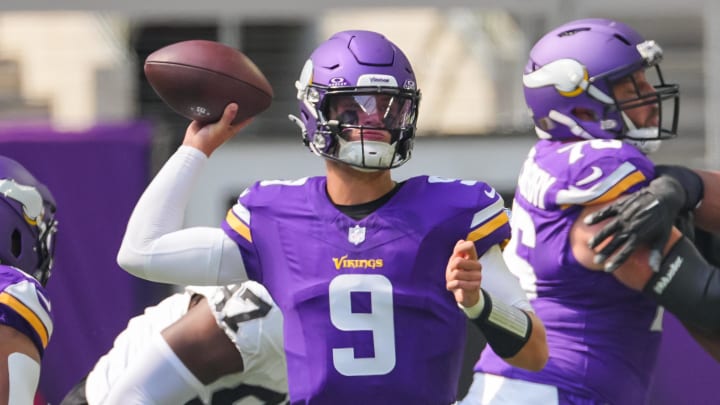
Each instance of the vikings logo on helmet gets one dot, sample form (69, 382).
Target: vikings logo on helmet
(27, 220)
(370, 71)
(575, 67)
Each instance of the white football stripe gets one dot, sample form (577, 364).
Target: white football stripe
(487, 213)
(26, 293)
(242, 213)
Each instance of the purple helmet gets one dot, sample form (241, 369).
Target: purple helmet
(575, 66)
(367, 70)
(27, 221)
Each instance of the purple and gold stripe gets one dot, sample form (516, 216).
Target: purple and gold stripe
(238, 226)
(488, 227)
(618, 189)
(28, 314)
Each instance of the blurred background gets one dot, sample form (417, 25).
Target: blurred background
(76, 109)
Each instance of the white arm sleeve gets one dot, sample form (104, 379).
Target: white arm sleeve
(23, 376)
(156, 377)
(156, 248)
(499, 282)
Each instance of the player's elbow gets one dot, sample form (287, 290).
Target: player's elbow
(130, 261)
(541, 353)
(536, 350)
(537, 362)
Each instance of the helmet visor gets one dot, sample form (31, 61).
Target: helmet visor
(370, 110)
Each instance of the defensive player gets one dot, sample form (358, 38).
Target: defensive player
(597, 111)
(27, 225)
(210, 345)
(356, 261)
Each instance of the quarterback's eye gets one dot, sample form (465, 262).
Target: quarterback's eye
(348, 117)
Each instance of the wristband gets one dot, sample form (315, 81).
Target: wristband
(505, 327)
(475, 310)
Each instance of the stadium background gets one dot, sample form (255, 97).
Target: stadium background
(75, 109)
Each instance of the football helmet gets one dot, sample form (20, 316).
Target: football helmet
(575, 66)
(373, 79)
(27, 221)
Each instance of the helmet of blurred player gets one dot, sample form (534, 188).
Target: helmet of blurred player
(27, 221)
(372, 73)
(575, 66)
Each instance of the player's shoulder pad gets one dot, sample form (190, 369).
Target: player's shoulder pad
(24, 295)
(461, 193)
(479, 202)
(601, 170)
(266, 192)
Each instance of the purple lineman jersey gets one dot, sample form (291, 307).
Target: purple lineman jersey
(367, 318)
(24, 305)
(602, 336)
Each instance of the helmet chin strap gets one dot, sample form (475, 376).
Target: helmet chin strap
(645, 139)
(648, 146)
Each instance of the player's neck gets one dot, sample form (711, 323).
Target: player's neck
(347, 186)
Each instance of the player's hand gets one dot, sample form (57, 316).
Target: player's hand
(646, 217)
(207, 138)
(464, 274)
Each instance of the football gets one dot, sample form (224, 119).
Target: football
(199, 78)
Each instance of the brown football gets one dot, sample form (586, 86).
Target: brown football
(199, 78)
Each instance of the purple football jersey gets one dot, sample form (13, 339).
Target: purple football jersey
(24, 306)
(367, 317)
(602, 336)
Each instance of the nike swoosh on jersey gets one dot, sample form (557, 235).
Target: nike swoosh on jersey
(596, 174)
(490, 193)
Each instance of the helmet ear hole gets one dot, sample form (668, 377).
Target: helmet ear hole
(16, 243)
(585, 114)
(546, 123)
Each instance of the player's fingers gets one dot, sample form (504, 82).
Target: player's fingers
(610, 248)
(466, 249)
(459, 274)
(621, 257)
(469, 265)
(455, 262)
(194, 127)
(609, 229)
(229, 114)
(619, 240)
(465, 285)
(599, 216)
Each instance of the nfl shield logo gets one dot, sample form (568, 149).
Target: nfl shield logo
(356, 235)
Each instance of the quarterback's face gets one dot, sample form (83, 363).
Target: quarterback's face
(643, 114)
(371, 112)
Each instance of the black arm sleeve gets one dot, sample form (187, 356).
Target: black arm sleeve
(688, 286)
(505, 327)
